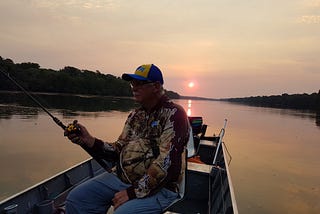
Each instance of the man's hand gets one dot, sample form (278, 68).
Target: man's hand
(120, 198)
(81, 137)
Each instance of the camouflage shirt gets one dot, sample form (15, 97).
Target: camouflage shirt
(150, 148)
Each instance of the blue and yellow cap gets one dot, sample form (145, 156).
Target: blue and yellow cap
(148, 72)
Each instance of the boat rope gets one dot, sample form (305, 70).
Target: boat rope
(229, 155)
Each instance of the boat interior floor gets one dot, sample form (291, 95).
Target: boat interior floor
(197, 194)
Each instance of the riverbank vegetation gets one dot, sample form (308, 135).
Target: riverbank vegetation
(293, 101)
(68, 80)
(71, 80)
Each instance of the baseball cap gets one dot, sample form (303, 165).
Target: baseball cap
(148, 72)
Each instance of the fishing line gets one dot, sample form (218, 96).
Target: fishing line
(55, 119)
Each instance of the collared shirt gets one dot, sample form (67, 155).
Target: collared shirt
(150, 147)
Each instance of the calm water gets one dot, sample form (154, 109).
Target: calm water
(275, 153)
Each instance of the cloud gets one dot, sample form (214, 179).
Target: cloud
(312, 3)
(309, 19)
(87, 4)
(309, 12)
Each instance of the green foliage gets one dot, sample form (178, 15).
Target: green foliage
(27, 65)
(67, 80)
(294, 101)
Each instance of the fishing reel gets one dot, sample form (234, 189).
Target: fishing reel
(73, 128)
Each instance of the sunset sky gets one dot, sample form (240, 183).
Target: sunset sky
(226, 48)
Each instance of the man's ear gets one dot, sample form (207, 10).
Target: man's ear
(157, 86)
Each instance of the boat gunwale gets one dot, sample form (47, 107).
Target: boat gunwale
(231, 189)
(46, 180)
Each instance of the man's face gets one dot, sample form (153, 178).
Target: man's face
(142, 90)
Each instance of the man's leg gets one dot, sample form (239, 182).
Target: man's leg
(94, 195)
(154, 204)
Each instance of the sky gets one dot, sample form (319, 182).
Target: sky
(227, 48)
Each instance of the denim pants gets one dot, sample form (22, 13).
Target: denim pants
(95, 195)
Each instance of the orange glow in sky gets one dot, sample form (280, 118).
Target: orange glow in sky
(252, 48)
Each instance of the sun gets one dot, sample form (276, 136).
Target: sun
(190, 84)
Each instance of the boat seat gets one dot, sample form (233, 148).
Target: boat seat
(198, 130)
(191, 146)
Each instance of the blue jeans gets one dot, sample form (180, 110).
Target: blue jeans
(95, 195)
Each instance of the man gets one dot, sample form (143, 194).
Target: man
(148, 154)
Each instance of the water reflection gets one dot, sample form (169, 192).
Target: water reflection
(274, 149)
(7, 112)
(189, 108)
(292, 112)
(68, 105)
(318, 118)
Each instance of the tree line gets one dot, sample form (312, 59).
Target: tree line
(72, 80)
(294, 101)
(67, 80)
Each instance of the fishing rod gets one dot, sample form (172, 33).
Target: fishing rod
(70, 127)
(56, 120)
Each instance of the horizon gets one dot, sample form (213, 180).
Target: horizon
(192, 96)
(214, 49)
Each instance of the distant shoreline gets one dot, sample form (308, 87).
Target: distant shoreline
(284, 101)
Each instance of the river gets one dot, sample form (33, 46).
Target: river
(275, 152)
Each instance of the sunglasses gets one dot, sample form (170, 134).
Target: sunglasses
(139, 83)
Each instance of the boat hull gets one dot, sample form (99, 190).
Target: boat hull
(208, 186)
